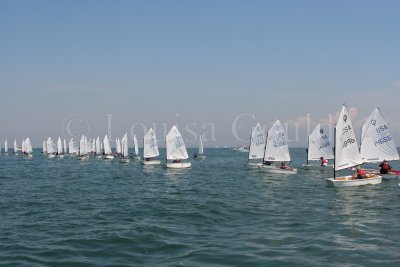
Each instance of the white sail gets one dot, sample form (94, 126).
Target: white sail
(124, 145)
(257, 143)
(88, 145)
(319, 145)
(5, 146)
(176, 149)
(377, 143)
(71, 146)
(150, 147)
(50, 146)
(44, 147)
(135, 144)
(59, 146)
(347, 154)
(118, 146)
(82, 146)
(201, 149)
(15, 146)
(65, 146)
(28, 146)
(276, 148)
(23, 149)
(107, 146)
(98, 146)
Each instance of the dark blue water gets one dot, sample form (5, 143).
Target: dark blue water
(100, 213)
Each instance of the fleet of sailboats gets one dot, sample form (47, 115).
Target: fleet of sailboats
(267, 152)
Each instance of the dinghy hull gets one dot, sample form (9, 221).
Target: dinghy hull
(151, 162)
(346, 181)
(180, 165)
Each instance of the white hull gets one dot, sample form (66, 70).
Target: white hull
(83, 157)
(200, 157)
(254, 165)
(390, 176)
(136, 157)
(60, 156)
(99, 157)
(110, 157)
(51, 156)
(346, 181)
(124, 160)
(151, 162)
(317, 167)
(180, 165)
(274, 169)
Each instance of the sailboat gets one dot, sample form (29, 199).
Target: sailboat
(200, 155)
(124, 149)
(277, 150)
(150, 148)
(60, 150)
(83, 148)
(51, 151)
(136, 148)
(319, 146)
(377, 143)
(118, 147)
(65, 146)
(257, 146)
(72, 149)
(15, 148)
(5, 147)
(27, 147)
(347, 154)
(107, 149)
(44, 147)
(98, 148)
(176, 150)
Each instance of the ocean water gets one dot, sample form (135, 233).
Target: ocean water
(66, 212)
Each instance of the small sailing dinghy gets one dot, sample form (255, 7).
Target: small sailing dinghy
(200, 155)
(60, 150)
(150, 149)
(176, 150)
(83, 148)
(51, 150)
(257, 147)
(72, 149)
(347, 155)
(27, 148)
(15, 148)
(5, 147)
(98, 148)
(44, 148)
(136, 148)
(277, 150)
(377, 144)
(107, 149)
(319, 147)
(124, 149)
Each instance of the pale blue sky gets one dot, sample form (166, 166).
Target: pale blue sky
(208, 61)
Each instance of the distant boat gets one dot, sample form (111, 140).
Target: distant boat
(136, 148)
(257, 147)
(72, 149)
(377, 143)
(65, 146)
(5, 147)
(347, 154)
(277, 150)
(44, 148)
(83, 148)
(98, 148)
(319, 146)
(51, 150)
(176, 150)
(60, 150)
(27, 147)
(150, 148)
(124, 149)
(107, 149)
(15, 147)
(118, 149)
(241, 148)
(200, 155)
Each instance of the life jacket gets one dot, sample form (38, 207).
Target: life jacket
(386, 166)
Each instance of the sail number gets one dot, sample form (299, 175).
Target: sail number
(349, 142)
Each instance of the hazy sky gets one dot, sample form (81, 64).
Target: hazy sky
(195, 63)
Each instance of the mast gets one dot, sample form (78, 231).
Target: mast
(308, 145)
(334, 154)
(248, 154)
(265, 146)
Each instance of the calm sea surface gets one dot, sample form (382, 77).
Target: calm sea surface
(66, 212)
